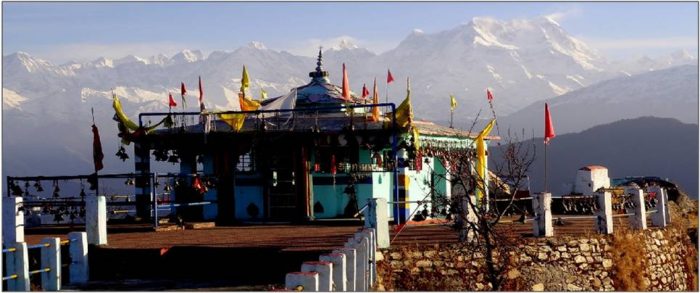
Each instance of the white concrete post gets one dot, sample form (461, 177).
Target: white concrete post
(368, 234)
(604, 219)
(51, 258)
(78, 248)
(377, 218)
(658, 219)
(371, 233)
(350, 263)
(17, 263)
(361, 243)
(638, 220)
(325, 273)
(307, 281)
(339, 268)
(96, 219)
(12, 221)
(541, 205)
(668, 212)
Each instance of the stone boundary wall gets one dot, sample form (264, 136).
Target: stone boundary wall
(585, 263)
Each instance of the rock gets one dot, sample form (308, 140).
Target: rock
(589, 259)
(479, 286)
(594, 241)
(556, 255)
(663, 258)
(424, 263)
(379, 256)
(542, 256)
(584, 247)
(664, 280)
(514, 273)
(525, 258)
(395, 255)
(573, 249)
(460, 258)
(657, 242)
(537, 287)
(572, 243)
(415, 270)
(430, 253)
(607, 282)
(572, 287)
(607, 263)
(480, 277)
(451, 272)
(583, 266)
(565, 255)
(561, 248)
(417, 254)
(438, 263)
(579, 259)
(597, 283)
(395, 264)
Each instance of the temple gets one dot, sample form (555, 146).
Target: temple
(313, 153)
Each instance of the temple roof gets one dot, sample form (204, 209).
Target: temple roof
(320, 90)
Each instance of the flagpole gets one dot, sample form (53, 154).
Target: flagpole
(452, 112)
(545, 167)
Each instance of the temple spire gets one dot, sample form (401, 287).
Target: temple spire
(319, 73)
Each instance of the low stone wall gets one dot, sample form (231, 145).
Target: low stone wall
(539, 264)
(666, 266)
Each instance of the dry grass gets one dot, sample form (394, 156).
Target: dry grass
(630, 259)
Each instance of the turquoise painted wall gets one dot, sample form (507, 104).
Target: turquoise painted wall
(330, 196)
(247, 194)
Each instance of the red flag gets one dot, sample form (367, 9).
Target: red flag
(389, 77)
(201, 92)
(97, 154)
(201, 95)
(346, 85)
(334, 169)
(183, 90)
(548, 126)
(489, 96)
(171, 101)
(365, 91)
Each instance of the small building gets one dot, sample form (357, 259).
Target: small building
(590, 178)
(309, 154)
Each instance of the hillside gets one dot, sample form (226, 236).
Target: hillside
(646, 146)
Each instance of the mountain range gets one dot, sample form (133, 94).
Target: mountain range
(47, 107)
(645, 146)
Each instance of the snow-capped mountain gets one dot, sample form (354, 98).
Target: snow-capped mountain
(522, 61)
(646, 64)
(667, 93)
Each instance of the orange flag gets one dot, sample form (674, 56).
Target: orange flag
(375, 101)
(346, 85)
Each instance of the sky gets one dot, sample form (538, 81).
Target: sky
(67, 31)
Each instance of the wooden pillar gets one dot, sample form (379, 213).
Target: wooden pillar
(142, 168)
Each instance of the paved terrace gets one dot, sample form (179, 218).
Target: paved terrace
(254, 257)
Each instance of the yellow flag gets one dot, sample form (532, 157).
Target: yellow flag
(416, 138)
(481, 159)
(245, 80)
(404, 113)
(247, 104)
(453, 103)
(234, 120)
(117, 105)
